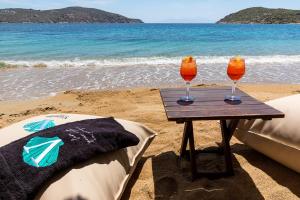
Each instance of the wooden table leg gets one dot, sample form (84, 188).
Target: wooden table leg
(188, 137)
(227, 132)
(232, 126)
(192, 150)
(184, 140)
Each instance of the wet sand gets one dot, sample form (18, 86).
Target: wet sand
(159, 175)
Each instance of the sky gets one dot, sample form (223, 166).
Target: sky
(159, 11)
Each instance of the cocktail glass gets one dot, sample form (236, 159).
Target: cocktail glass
(188, 72)
(235, 70)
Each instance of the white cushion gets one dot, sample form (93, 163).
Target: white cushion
(278, 138)
(104, 177)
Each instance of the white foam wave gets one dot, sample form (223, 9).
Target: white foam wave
(152, 61)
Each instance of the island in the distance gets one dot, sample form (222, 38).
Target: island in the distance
(64, 15)
(260, 15)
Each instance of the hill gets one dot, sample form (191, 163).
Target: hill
(260, 15)
(64, 15)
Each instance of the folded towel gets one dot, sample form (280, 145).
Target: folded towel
(28, 163)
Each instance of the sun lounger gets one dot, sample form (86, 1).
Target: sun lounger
(278, 139)
(103, 177)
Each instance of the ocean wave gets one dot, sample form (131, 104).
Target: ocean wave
(148, 61)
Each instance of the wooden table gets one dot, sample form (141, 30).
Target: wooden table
(209, 104)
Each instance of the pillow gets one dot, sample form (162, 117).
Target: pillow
(104, 177)
(42, 155)
(277, 138)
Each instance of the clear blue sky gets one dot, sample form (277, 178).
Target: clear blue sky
(159, 10)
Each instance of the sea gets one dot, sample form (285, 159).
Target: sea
(38, 60)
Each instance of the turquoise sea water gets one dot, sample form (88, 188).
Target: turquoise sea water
(101, 56)
(96, 41)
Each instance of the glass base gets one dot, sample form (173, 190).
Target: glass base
(187, 99)
(232, 98)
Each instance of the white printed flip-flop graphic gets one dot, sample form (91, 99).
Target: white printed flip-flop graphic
(41, 152)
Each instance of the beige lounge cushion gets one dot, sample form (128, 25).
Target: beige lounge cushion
(104, 177)
(278, 138)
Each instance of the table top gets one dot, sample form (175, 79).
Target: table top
(209, 104)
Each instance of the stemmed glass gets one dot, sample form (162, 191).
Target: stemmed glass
(235, 70)
(188, 72)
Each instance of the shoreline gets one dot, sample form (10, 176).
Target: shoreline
(43, 81)
(157, 174)
(143, 60)
(120, 89)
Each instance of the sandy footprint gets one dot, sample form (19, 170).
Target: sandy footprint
(167, 188)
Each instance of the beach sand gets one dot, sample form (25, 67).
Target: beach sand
(159, 175)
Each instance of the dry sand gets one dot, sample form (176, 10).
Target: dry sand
(159, 175)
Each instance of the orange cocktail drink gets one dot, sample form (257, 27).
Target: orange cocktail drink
(188, 69)
(235, 70)
(188, 72)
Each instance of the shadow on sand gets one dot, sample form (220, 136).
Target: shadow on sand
(134, 177)
(281, 174)
(171, 179)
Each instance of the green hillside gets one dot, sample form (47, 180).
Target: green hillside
(259, 15)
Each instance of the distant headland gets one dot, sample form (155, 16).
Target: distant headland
(64, 15)
(260, 15)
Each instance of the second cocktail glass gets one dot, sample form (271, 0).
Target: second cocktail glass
(188, 72)
(235, 70)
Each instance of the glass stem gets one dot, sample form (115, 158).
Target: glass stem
(233, 88)
(187, 89)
